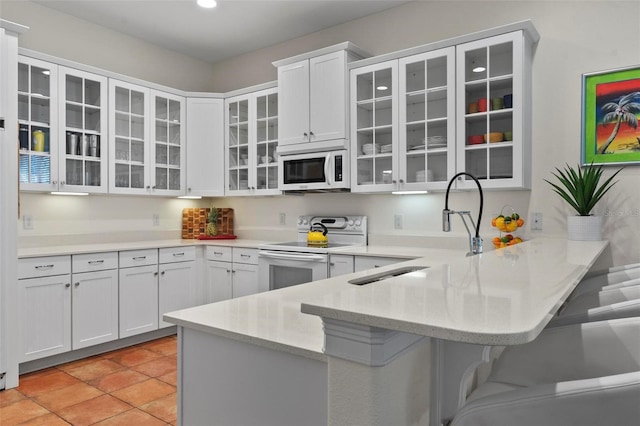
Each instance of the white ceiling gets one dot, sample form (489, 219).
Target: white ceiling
(232, 28)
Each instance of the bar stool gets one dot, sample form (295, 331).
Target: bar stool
(620, 275)
(581, 374)
(621, 302)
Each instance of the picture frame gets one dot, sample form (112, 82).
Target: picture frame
(611, 116)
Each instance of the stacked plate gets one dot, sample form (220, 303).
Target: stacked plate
(436, 142)
(386, 148)
(420, 176)
(369, 148)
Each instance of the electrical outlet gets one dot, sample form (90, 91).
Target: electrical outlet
(156, 219)
(397, 221)
(536, 221)
(283, 219)
(27, 221)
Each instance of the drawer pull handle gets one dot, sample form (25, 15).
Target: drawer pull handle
(39, 267)
(245, 255)
(139, 258)
(178, 254)
(96, 262)
(376, 266)
(218, 253)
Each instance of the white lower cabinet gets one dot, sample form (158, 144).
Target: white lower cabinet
(231, 272)
(362, 263)
(177, 282)
(94, 308)
(138, 283)
(45, 316)
(340, 264)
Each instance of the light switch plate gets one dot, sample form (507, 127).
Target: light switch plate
(536, 221)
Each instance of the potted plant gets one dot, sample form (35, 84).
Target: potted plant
(581, 188)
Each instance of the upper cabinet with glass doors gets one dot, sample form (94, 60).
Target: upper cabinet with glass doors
(403, 123)
(147, 135)
(251, 140)
(128, 138)
(168, 135)
(82, 137)
(494, 111)
(37, 120)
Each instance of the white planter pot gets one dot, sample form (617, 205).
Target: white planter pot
(584, 228)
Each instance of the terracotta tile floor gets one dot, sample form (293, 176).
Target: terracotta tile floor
(130, 386)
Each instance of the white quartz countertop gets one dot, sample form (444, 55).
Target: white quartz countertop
(501, 297)
(56, 250)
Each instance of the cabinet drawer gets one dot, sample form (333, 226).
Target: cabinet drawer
(94, 262)
(245, 255)
(131, 258)
(369, 262)
(177, 254)
(34, 267)
(219, 253)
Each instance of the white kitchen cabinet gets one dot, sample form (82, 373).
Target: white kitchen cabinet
(82, 135)
(177, 284)
(45, 306)
(94, 308)
(340, 264)
(205, 147)
(168, 146)
(251, 141)
(313, 90)
(37, 117)
(128, 138)
(489, 71)
(403, 123)
(362, 263)
(138, 292)
(220, 280)
(231, 272)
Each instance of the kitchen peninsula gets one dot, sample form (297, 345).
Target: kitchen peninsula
(329, 352)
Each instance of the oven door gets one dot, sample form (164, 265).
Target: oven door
(279, 269)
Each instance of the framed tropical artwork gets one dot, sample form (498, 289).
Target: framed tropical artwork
(610, 114)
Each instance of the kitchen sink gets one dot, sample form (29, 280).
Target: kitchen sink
(387, 274)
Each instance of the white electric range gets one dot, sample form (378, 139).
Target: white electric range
(291, 263)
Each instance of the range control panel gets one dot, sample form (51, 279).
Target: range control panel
(335, 224)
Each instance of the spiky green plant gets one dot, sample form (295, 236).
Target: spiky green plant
(580, 188)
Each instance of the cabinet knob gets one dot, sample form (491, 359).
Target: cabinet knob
(55, 182)
(148, 187)
(401, 181)
(233, 271)
(310, 133)
(305, 134)
(228, 270)
(77, 284)
(189, 189)
(62, 182)
(67, 285)
(393, 181)
(155, 274)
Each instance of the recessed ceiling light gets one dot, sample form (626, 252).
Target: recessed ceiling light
(208, 4)
(479, 69)
(382, 87)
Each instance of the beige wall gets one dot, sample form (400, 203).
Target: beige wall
(576, 37)
(74, 39)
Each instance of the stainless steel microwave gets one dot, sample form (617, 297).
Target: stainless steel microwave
(314, 171)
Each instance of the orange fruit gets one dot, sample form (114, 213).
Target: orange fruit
(520, 223)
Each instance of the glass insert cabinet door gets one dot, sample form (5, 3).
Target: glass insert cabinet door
(37, 89)
(374, 127)
(82, 144)
(490, 110)
(168, 143)
(266, 141)
(238, 145)
(129, 137)
(427, 120)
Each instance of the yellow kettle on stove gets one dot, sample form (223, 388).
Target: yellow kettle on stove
(317, 235)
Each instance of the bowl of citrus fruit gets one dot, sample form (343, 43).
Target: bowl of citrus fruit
(508, 226)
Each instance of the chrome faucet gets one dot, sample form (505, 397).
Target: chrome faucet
(475, 242)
